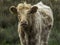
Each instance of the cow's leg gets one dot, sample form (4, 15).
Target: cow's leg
(44, 36)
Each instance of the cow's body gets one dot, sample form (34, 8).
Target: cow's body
(46, 22)
(39, 26)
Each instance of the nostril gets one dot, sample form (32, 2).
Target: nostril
(24, 23)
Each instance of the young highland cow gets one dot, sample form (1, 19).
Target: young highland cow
(35, 23)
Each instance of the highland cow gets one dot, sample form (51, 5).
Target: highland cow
(35, 23)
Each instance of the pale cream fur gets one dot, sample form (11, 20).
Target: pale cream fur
(43, 13)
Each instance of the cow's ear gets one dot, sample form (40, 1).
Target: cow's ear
(33, 9)
(13, 10)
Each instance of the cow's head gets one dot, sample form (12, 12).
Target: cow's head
(25, 13)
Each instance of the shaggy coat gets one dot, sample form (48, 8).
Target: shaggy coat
(40, 21)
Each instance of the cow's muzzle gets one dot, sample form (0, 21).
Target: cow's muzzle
(24, 23)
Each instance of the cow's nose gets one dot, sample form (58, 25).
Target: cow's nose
(24, 23)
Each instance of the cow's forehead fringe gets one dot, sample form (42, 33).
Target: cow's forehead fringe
(23, 5)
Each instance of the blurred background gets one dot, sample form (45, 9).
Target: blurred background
(9, 22)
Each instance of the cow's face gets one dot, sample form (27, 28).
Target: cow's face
(25, 13)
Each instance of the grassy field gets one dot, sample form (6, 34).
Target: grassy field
(8, 22)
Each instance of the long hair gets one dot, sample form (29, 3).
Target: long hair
(39, 33)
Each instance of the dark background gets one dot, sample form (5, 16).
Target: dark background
(8, 22)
